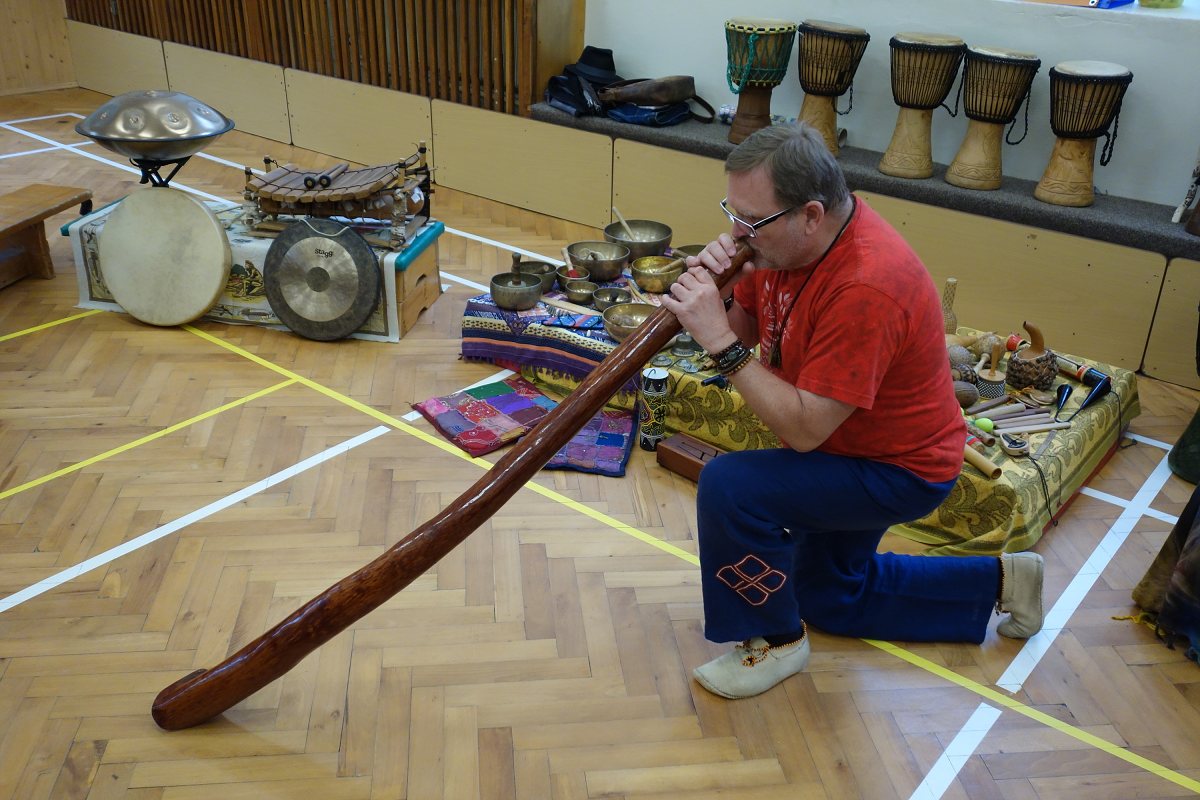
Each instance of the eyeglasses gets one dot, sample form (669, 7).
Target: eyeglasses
(752, 227)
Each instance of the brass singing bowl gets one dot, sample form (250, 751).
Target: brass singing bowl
(649, 238)
(610, 296)
(624, 318)
(542, 269)
(565, 276)
(516, 291)
(604, 261)
(655, 273)
(580, 291)
(688, 249)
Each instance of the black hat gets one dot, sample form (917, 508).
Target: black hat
(596, 65)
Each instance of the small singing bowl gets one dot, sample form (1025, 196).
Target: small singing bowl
(603, 260)
(610, 296)
(688, 249)
(516, 291)
(625, 318)
(649, 238)
(580, 291)
(567, 273)
(542, 269)
(655, 273)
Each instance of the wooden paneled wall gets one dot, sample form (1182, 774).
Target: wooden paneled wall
(34, 55)
(481, 53)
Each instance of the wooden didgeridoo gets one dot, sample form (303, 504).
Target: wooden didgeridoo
(204, 694)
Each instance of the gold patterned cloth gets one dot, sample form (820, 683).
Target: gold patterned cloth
(980, 517)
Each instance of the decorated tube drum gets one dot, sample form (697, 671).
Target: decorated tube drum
(1085, 98)
(829, 53)
(995, 83)
(652, 410)
(924, 66)
(759, 51)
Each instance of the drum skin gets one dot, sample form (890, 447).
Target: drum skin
(164, 256)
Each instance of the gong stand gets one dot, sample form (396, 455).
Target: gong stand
(204, 694)
(151, 166)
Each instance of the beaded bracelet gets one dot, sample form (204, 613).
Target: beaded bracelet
(746, 359)
(718, 356)
(732, 357)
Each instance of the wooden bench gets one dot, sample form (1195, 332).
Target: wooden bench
(24, 249)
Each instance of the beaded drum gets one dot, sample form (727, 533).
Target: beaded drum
(924, 66)
(759, 51)
(828, 58)
(1085, 98)
(995, 83)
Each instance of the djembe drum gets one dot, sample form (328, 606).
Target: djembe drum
(759, 50)
(1085, 98)
(828, 58)
(924, 66)
(995, 83)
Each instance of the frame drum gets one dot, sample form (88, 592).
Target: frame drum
(924, 66)
(164, 256)
(759, 51)
(995, 83)
(1085, 98)
(829, 56)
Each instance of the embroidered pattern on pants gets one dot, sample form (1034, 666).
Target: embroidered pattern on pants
(752, 578)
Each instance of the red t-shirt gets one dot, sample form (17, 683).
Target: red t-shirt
(867, 330)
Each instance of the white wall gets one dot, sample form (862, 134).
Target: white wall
(1159, 131)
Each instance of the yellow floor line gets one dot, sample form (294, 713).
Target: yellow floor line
(46, 325)
(1005, 701)
(147, 438)
(990, 694)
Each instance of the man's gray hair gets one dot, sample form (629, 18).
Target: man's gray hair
(801, 166)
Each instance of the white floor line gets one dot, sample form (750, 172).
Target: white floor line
(413, 416)
(1037, 646)
(503, 246)
(110, 162)
(945, 770)
(41, 587)
(1030, 655)
(1137, 437)
(471, 284)
(46, 150)
(39, 119)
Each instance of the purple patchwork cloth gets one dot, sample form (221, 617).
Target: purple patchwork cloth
(485, 418)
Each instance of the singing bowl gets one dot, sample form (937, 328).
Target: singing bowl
(516, 291)
(154, 125)
(568, 272)
(604, 261)
(624, 318)
(649, 238)
(654, 273)
(580, 291)
(688, 249)
(610, 296)
(542, 269)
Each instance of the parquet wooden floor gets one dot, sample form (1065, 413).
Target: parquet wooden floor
(164, 499)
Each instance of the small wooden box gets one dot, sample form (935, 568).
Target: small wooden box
(685, 455)
(418, 285)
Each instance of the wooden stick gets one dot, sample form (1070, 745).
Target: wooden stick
(1037, 427)
(1022, 420)
(567, 306)
(986, 404)
(982, 435)
(1005, 412)
(637, 293)
(625, 225)
(978, 461)
(204, 694)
